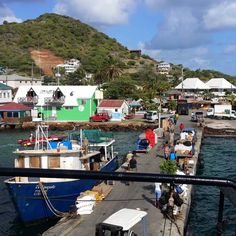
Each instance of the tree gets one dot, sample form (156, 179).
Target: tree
(121, 88)
(76, 78)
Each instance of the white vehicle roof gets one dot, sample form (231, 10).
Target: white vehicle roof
(126, 218)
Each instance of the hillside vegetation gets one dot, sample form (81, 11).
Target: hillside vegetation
(63, 36)
(39, 45)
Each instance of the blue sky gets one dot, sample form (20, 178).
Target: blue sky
(197, 33)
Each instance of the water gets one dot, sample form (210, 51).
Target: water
(9, 222)
(219, 157)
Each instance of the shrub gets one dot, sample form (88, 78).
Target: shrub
(168, 166)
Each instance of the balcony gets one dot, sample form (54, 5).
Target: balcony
(52, 101)
(28, 100)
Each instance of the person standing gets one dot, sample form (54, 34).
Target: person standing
(157, 194)
(181, 126)
(166, 151)
(173, 156)
(133, 164)
(171, 138)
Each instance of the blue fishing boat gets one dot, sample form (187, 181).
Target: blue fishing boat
(37, 198)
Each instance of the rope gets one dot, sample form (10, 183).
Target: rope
(49, 204)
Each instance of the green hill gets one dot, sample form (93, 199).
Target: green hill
(64, 36)
(57, 38)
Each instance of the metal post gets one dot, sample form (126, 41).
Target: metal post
(220, 214)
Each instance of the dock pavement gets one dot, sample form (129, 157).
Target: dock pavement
(136, 195)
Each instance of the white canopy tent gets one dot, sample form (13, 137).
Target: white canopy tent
(192, 84)
(220, 84)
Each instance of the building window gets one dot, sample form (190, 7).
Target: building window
(0, 95)
(4, 95)
(116, 110)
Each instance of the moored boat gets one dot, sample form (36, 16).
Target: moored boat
(32, 140)
(37, 198)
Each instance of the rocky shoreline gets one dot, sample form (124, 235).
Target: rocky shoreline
(107, 126)
(216, 132)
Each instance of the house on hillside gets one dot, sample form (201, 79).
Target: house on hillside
(136, 52)
(219, 86)
(60, 103)
(117, 108)
(163, 68)
(70, 66)
(15, 81)
(5, 93)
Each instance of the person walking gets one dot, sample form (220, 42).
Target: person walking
(157, 194)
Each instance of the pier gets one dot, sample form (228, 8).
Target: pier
(136, 195)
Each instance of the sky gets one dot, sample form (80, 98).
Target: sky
(199, 34)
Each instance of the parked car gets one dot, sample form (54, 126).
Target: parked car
(197, 116)
(102, 116)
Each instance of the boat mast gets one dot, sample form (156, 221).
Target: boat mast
(41, 139)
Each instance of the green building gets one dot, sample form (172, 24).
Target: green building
(60, 103)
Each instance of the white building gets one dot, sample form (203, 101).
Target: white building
(163, 68)
(219, 86)
(15, 81)
(192, 85)
(5, 93)
(70, 66)
(117, 108)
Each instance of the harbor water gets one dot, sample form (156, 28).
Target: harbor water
(9, 223)
(219, 157)
(218, 154)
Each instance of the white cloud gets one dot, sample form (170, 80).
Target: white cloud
(221, 16)
(179, 31)
(190, 58)
(7, 15)
(97, 12)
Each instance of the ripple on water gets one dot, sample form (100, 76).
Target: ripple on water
(219, 157)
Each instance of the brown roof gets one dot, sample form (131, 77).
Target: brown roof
(111, 103)
(12, 106)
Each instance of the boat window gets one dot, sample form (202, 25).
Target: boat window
(20, 162)
(53, 162)
(35, 162)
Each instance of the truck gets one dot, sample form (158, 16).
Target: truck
(101, 116)
(221, 111)
(153, 116)
(182, 107)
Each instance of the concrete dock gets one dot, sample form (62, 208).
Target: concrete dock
(136, 195)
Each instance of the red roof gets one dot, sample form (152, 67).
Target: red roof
(111, 103)
(12, 106)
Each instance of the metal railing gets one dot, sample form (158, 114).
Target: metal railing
(124, 176)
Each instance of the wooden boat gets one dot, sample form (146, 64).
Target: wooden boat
(37, 198)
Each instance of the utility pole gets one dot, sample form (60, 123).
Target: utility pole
(6, 74)
(182, 81)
